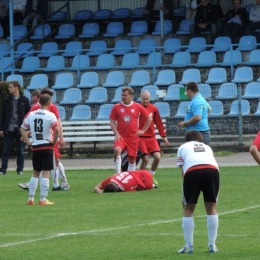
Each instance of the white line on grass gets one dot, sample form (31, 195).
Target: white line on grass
(117, 228)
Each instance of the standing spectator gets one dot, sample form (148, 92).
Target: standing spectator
(205, 20)
(153, 8)
(41, 123)
(148, 143)
(236, 20)
(14, 108)
(124, 121)
(4, 7)
(200, 173)
(35, 11)
(196, 117)
(191, 6)
(254, 17)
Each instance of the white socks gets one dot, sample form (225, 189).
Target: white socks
(131, 167)
(117, 163)
(44, 185)
(188, 229)
(212, 226)
(32, 187)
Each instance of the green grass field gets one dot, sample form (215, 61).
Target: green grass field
(139, 225)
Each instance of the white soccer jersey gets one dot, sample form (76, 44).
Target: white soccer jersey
(40, 122)
(195, 153)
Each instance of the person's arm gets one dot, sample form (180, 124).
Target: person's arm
(114, 129)
(252, 17)
(159, 124)
(255, 153)
(98, 188)
(182, 173)
(56, 133)
(146, 126)
(61, 141)
(194, 120)
(23, 132)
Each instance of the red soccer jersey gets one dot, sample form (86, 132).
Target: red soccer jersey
(154, 113)
(131, 181)
(52, 108)
(127, 117)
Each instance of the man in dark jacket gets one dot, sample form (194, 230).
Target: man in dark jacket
(153, 8)
(35, 11)
(15, 107)
(205, 20)
(236, 20)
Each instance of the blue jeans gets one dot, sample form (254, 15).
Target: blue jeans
(206, 137)
(7, 142)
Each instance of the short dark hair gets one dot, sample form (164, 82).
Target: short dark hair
(193, 135)
(36, 93)
(47, 91)
(130, 90)
(15, 83)
(45, 99)
(193, 87)
(110, 187)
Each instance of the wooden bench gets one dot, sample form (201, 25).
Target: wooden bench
(89, 131)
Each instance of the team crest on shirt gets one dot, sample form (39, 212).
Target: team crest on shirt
(132, 110)
(122, 110)
(127, 118)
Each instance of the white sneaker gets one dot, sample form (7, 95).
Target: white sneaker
(65, 187)
(187, 250)
(24, 186)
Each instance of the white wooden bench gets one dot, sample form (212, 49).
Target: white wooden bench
(89, 131)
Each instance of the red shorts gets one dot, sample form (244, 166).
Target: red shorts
(148, 145)
(131, 146)
(56, 151)
(256, 142)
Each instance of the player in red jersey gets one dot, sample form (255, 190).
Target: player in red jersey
(255, 148)
(148, 143)
(126, 181)
(124, 121)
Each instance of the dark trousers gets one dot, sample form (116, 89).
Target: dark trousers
(252, 27)
(195, 30)
(232, 30)
(7, 142)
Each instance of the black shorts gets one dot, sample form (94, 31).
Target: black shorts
(43, 160)
(195, 181)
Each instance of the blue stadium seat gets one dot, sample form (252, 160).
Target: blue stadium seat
(164, 109)
(117, 96)
(66, 31)
(197, 44)
(27, 94)
(138, 28)
(217, 108)
(254, 58)
(184, 28)
(138, 13)
(23, 50)
(227, 91)
(190, 75)
(217, 76)
(89, 30)
(154, 60)
(88, 80)
(81, 113)
(41, 31)
(152, 90)
(222, 44)
(121, 47)
(129, 61)
(252, 91)
(146, 46)
(105, 62)
(165, 78)
(62, 112)
(4, 48)
(173, 92)
(58, 17)
(48, 49)
(55, 63)
(232, 57)
(247, 43)
(179, 11)
(257, 113)
(234, 110)
(205, 90)
(19, 31)
(182, 108)
(167, 27)
(121, 13)
(81, 62)
(139, 78)
(206, 59)
(97, 47)
(63, 81)
(30, 64)
(16, 77)
(114, 29)
(83, 15)
(114, 79)
(6, 64)
(172, 45)
(97, 96)
(102, 14)
(38, 81)
(104, 112)
(243, 75)
(181, 59)
(72, 49)
(71, 96)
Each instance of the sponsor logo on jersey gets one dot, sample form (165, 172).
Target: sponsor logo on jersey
(132, 110)
(127, 118)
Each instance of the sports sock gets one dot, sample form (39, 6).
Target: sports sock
(131, 167)
(212, 226)
(32, 187)
(117, 163)
(40, 178)
(55, 178)
(152, 172)
(188, 229)
(44, 188)
(61, 174)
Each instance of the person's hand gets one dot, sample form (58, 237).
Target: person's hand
(2, 133)
(166, 141)
(146, 12)
(140, 132)
(51, 141)
(33, 13)
(166, 11)
(118, 137)
(181, 124)
(202, 25)
(62, 142)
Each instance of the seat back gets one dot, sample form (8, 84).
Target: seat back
(257, 113)
(181, 59)
(102, 14)
(140, 78)
(3, 48)
(247, 43)
(130, 60)
(104, 112)
(138, 12)
(173, 92)
(72, 96)
(121, 13)
(252, 90)
(182, 109)
(66, 31)
(97, 47)
(197, 44)
(38, 81)
(138, 28)
(83, 15)
(122, 47)
(222, 44)
(248, 7)
(217, 76)
(31, 63)
(172, 45)
(254, 57)
(217, 108)
(55, 63)
(23, 50)
(6, 64)
(114, 29)
(227, 91)
(114, 79)
(27, 94)
(105, 60)
(164, 109)
(185, 27)
(72, 48)
(190, 75)
(16, 77)
(232, 57)
(234, 110)
(48, 49)
(81, 113)
(41, 31)
(154, 60)
(243, 75)
(167, 27)
(165, 78)
(97, 95)
(90, 29)
(62, 112)
(117, 96)
(18, 31)
(59, 16)
(63, 81)
(206, 59)
(179, 11)
(146, 46)
(205, 90)
(81, 61)
(89, 80)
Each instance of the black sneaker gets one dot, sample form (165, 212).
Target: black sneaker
(56, 189)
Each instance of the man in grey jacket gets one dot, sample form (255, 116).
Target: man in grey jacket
(254, 17)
